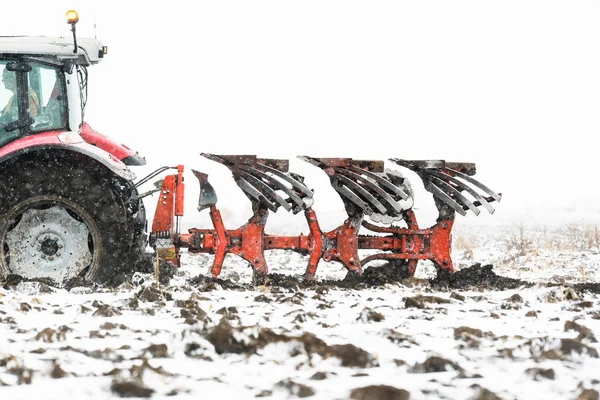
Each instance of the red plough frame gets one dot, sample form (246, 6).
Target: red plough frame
(354, 180)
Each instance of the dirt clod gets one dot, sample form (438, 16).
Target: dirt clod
(379, 392)
(585, 333)
(130, 389)
(224, 339)
(539, 374)
(57, 372)
(296, 389)
(476, 276)
(369, 315)
(570, 346)
(485, 394)
(588, 394)
(106, 311)
(436, 364)
(153, 294)
(318, 376)
(158, 350)
(261, 298)
(419, 301)
(207, 284)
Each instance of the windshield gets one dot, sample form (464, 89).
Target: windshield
(31, 99)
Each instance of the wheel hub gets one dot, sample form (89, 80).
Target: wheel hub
(48, 242)
(50, 246)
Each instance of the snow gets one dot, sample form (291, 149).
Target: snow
(536, 341)
(511, 86)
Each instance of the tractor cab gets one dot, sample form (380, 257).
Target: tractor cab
(44, 84)
(43, 94)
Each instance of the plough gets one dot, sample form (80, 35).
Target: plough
(378, 202)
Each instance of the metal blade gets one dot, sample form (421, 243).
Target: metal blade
(382, 181)
(300, 204)
(255, 194)
(265, 189)
(389, 200)
(353, 198)
(360, 191)
(461, 185)
(440, 194)
(208, 195)
(295, 183)
(456, 195)
(480, 185)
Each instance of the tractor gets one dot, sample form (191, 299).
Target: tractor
(68, 204)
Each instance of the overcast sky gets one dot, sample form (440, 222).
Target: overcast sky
(513, 86)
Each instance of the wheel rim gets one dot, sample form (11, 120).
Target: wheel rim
(49, 237)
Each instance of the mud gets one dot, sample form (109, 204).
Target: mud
(12, 281)
(587, 287)
(539, 374)
(476, 277)
(379, 392)
(435, 364)
(230, 339)
(485, 394)
(296, 389)
(131, 389)
(207, 284)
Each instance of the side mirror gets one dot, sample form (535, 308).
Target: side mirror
(68, 67)
(18, 67)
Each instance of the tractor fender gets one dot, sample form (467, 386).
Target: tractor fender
(120, 151)
(63, 142)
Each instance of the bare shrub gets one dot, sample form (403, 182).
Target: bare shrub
(465, 244)
(580, 236)
(519, 244)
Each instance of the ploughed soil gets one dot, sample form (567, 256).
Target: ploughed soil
(476, 277)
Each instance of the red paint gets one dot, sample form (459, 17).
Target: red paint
(169, 206)
(165, 207)
(179, 200)
(105, 143)
(39, 139)
(340, 244)
(92, 137)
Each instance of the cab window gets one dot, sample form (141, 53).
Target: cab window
(46, 98)
(45, 107)
(8, 99)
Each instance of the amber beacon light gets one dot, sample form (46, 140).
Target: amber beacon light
(72, 17)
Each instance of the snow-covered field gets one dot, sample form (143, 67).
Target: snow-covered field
(483, 337)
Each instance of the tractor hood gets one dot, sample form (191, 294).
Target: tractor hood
(123, 153)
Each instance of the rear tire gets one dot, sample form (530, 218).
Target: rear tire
(93, 223)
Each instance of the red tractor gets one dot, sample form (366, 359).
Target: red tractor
(68, 204)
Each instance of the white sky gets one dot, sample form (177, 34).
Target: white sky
(513, 86)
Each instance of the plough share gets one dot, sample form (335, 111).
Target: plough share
(368, 191)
